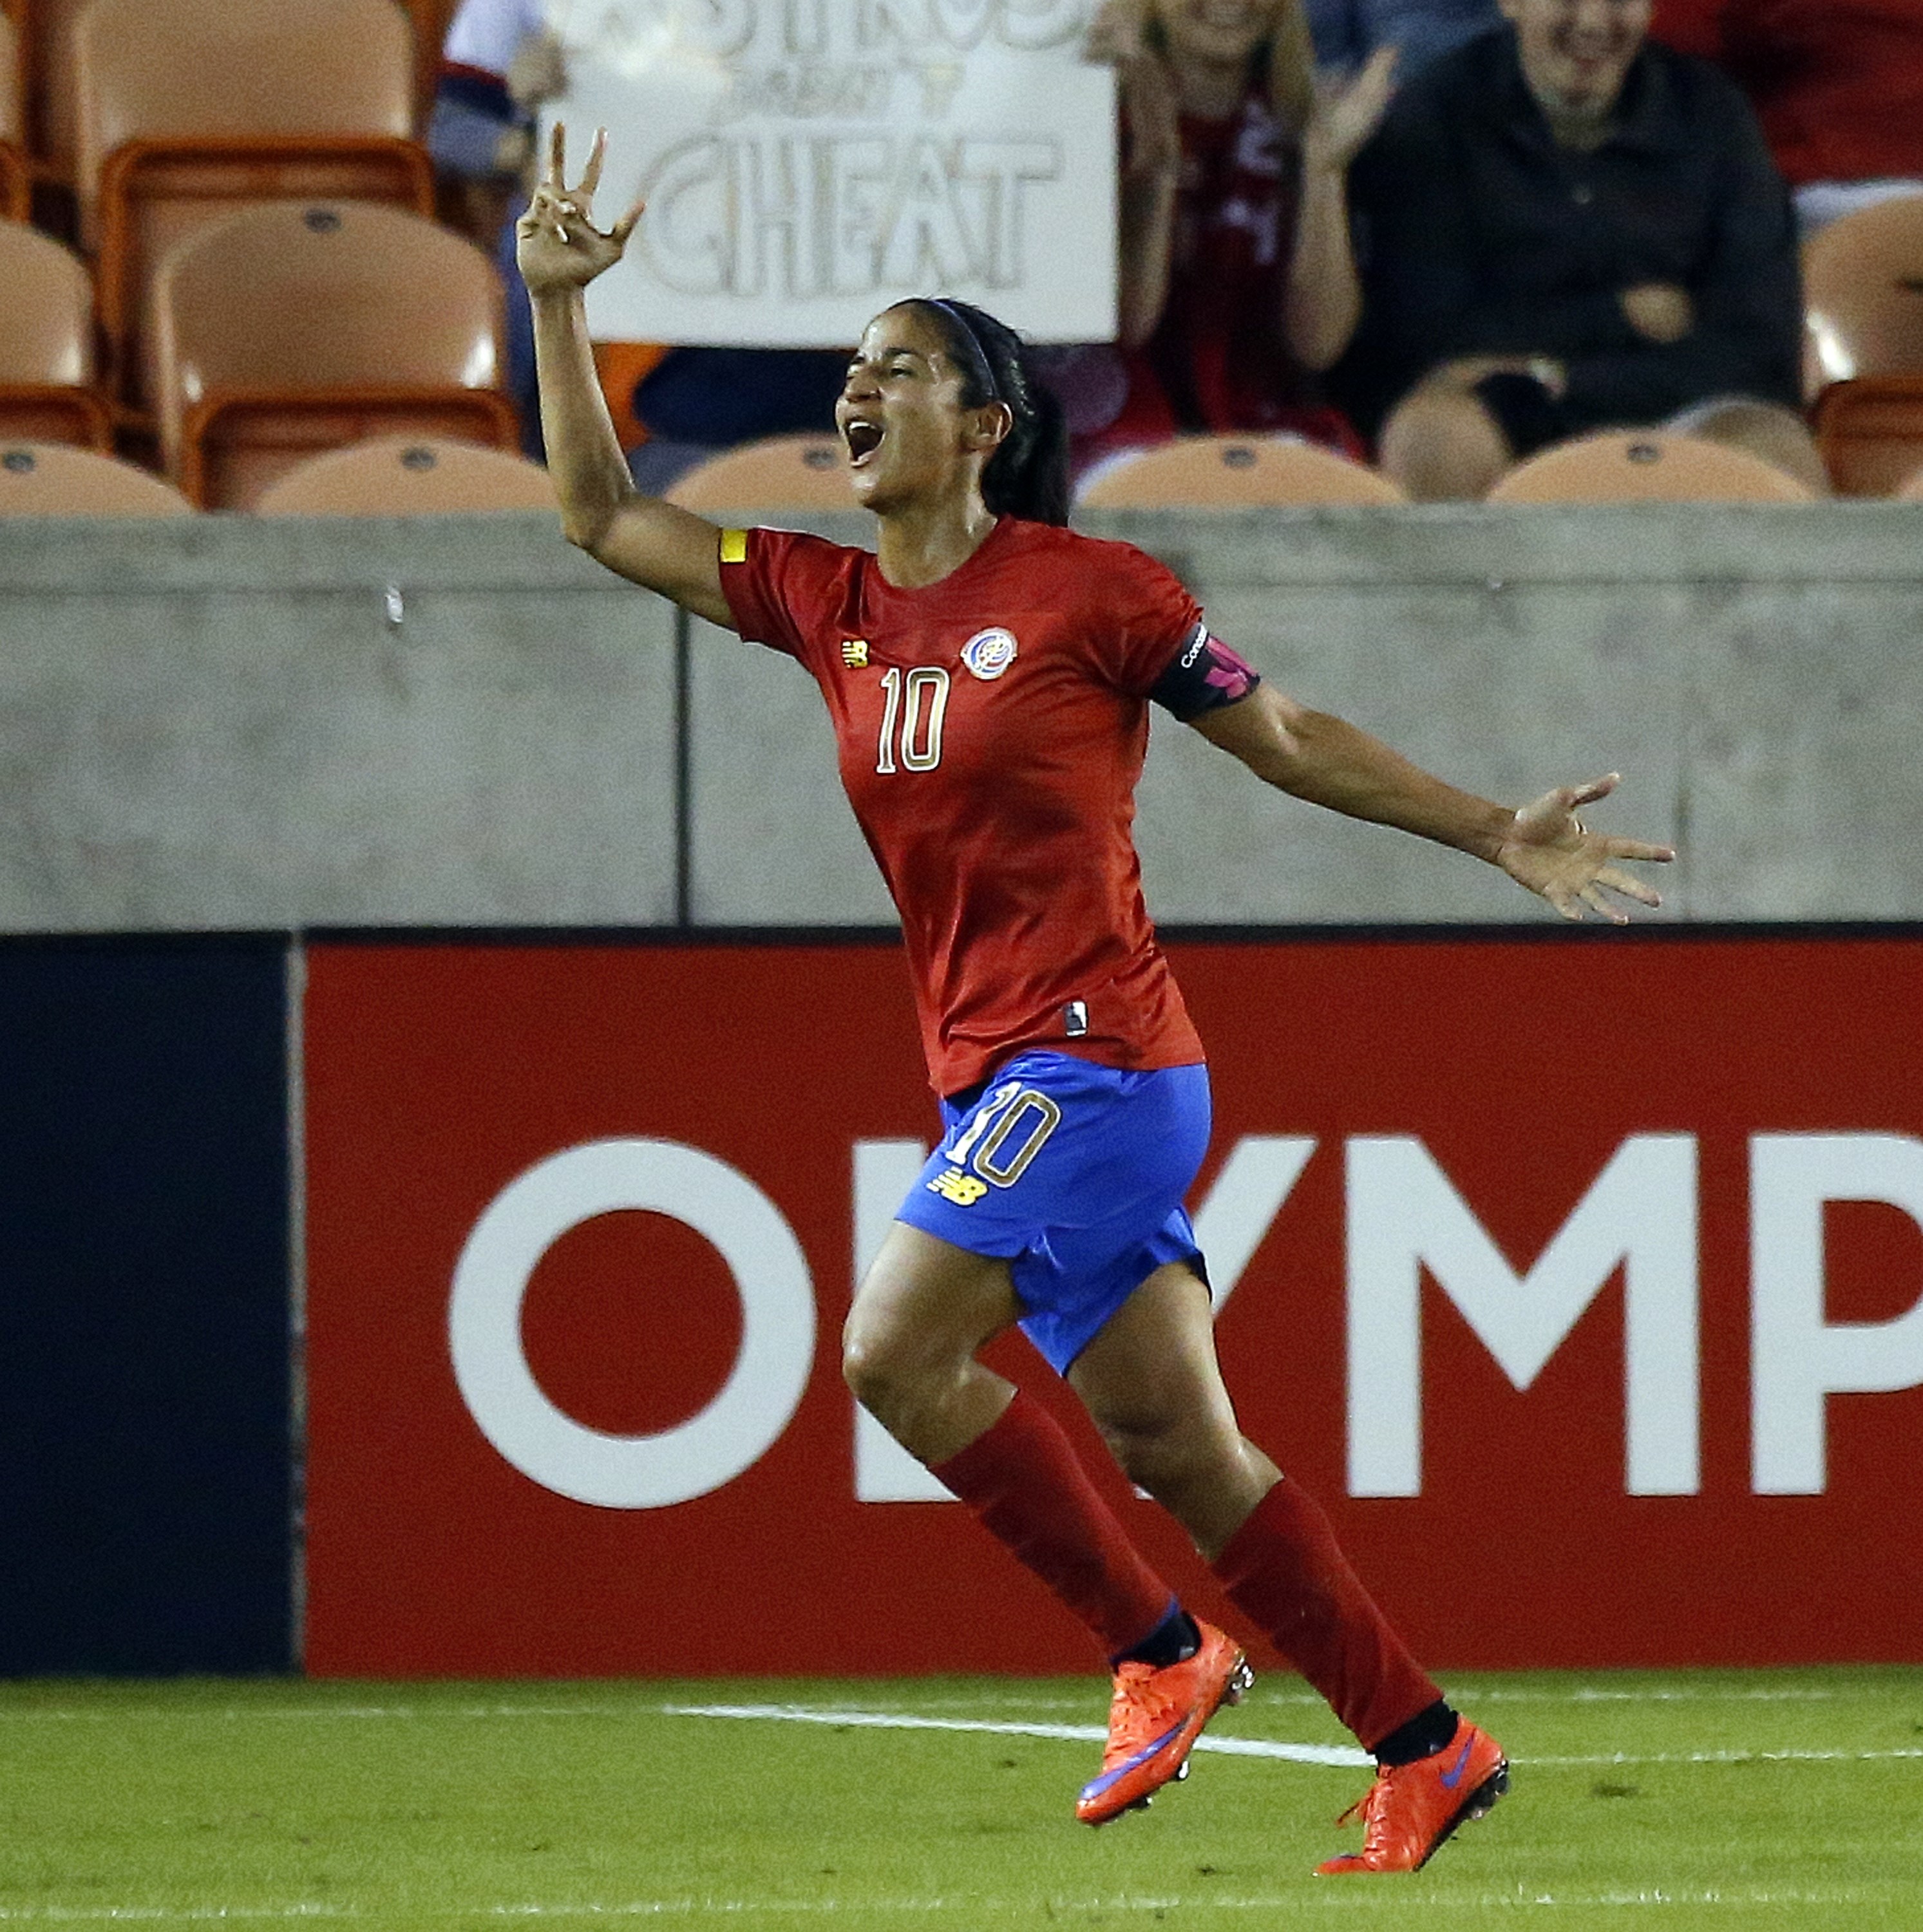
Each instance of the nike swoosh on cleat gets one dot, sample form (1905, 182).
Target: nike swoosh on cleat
(1147, 1751)
(1453, 1776)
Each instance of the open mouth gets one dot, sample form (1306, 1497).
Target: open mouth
(863, 438)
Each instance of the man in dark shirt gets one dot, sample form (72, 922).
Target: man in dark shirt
(1563, 228)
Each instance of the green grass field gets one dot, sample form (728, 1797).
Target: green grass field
(1723, 1799)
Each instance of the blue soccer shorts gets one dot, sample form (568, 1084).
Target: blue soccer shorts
(1074, 1174)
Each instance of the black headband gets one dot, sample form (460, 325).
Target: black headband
(983, 370)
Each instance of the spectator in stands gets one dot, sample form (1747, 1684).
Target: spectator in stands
(1233, 197)
(1346, 32)
(1837, 84)
(500, 61)
(1565, 228)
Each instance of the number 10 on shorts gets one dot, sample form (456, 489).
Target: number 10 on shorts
(1009, 1129)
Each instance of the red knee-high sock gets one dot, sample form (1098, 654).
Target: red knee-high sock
(1022, 1479)
(1284, 1570)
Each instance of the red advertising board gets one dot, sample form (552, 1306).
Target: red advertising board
(1580, 1276)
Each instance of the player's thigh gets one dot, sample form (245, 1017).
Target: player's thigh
(1151, 1377)
(926, 1303)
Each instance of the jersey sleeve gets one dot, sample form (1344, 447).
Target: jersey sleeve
(774, 581)
(1160, 648)
(1145, 620)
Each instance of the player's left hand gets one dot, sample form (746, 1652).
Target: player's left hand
(556, 244)
(1550, 850)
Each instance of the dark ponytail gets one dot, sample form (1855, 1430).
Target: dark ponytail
(1028, 475)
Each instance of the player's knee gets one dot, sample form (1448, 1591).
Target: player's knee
(1155, 1451)
(884, 1372)
(866, 1367)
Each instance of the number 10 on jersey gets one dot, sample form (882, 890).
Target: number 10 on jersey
(915, 707)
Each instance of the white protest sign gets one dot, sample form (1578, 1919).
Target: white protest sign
(806, 163)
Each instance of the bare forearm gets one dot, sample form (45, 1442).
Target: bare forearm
(1146, 234)
(1323, 302)
(1544, 847)
(1336, 764)
(1327, 761)
(584, 458)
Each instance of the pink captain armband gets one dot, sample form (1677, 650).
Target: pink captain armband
(1204, 675)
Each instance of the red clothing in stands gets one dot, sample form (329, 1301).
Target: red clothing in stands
(1837, 84)
(1218, 360)
(990, 729)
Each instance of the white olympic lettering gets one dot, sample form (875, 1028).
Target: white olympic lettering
(763, 1390)
(1636, 1222)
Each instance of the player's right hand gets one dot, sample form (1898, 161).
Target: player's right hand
(556, 244)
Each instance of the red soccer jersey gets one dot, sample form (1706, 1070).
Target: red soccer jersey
(990, 729)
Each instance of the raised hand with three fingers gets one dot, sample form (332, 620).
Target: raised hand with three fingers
(556, 244)
(1551, 851)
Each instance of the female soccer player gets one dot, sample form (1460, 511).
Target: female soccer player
(988, 672)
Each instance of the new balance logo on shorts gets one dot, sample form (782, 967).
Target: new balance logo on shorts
(964, 1189)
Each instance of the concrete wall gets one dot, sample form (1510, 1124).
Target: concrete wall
(222, 724)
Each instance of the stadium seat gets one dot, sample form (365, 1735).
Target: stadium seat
(780, 473)
(47, 345)
(1202, 471)
(39, 479)
(1635, 465)
(405, 476)
(1912, 491)
(1863, 308)
(16, 175)
(189, 109)
(283, 330)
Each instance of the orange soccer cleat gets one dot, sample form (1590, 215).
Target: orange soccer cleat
(1411, 1808)
(1154, 1719)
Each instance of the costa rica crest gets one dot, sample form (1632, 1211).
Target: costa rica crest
(990, 652)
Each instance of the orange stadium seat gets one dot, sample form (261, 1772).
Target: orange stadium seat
(286, 330)
(46, 344)
(49, 480)
(1646, 465)
(16, 175)
(1863, 310)
(187, 109)
(780, 473)
(1205, 471)
(408, 476)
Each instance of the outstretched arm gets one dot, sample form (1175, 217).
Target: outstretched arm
(1544, 846)
(650, 542)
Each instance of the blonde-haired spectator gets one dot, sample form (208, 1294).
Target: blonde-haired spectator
(1235, 290)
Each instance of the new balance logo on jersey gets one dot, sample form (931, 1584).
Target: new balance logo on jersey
(964, 1189)
(854, 653)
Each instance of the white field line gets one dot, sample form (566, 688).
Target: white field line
(1345, 1756)
(887, 1720)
